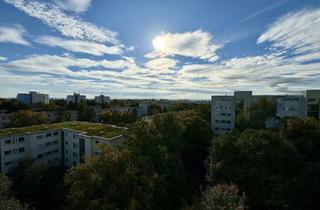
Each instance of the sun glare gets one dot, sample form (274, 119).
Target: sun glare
(159, 43)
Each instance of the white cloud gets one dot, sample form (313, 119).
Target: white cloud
(68, 26)
(87, 47)
(13, 34)
(3, 58)
(161, 64)
(297, 32)
(74, 5)
(197, 44)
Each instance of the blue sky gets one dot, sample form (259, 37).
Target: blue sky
(173, 49)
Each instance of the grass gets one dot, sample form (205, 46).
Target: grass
(91, 129)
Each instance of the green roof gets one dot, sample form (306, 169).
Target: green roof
(91, 129)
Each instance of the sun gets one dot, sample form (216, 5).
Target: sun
(159, 44)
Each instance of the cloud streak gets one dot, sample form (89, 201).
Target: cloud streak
(68, 26)
(13, 34)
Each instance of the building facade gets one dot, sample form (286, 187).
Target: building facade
(76, 98)
(102, 99)
(4, 118)
(33, 97)
(224, 109)
(55, 147)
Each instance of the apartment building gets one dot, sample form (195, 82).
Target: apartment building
(33, 97)
(225, 108)
(291, 106)
(102, 99)
(222, 114)
(65, 144)
(76, 98)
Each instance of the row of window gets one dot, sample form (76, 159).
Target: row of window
(45, 154)
(14, 151)
(11, 162)
(48, 144)
(48, 135)
(222, 129)
(75, 154)
(223, 121)
(75, 145)
(223, 114)
(218, 107)
(14, 141)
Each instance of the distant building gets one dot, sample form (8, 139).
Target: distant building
(222, 114)
(292, 106)
(224, 109)
(33, 97)
(143, 108)
(102, 99)
(76, 98)
(67, 144)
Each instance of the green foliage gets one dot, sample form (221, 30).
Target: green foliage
(156, 169)
(86, 112)
(12, 105)
(154, 109)
(264, 165)
(25, 118)
(6, 201)
(118, 118)
(256, 116)
(38, 185)
(222, 197)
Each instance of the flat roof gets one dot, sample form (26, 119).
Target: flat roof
(91, 129)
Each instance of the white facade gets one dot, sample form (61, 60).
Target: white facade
(102, 99)
(222, 114)
(55, 147)
(33, 97)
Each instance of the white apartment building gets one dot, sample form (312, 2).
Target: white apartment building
(55, 146)
(225, 108)
(222, 114)
(33, 97)
(292, 106)
(76, 98)
(102, 99)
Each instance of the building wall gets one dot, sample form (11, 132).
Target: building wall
(58, 146)
(292, 106)
(222, 114)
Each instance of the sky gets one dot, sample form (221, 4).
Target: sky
(174, 49)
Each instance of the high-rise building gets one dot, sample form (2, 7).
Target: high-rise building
(102, 99)
(33, 97)
(76, 98)
(222, 114)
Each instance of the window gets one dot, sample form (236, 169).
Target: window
(39, 156)
(7, 163)
(55, 151)
(21, 139)
(21, 149)
(55, 142)
(75, 154)
(66, 142)
(8, 141)
(97, 142)
(48, 134)
(8, 152)
(39, 137)
(55, 133)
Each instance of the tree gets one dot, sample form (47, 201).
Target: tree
(114, 179)
(222, 197)
(38, 185)
(262, 164)
(24, 118)
(256, 116)
(154, 109)
(6, 201)
(86, 112)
